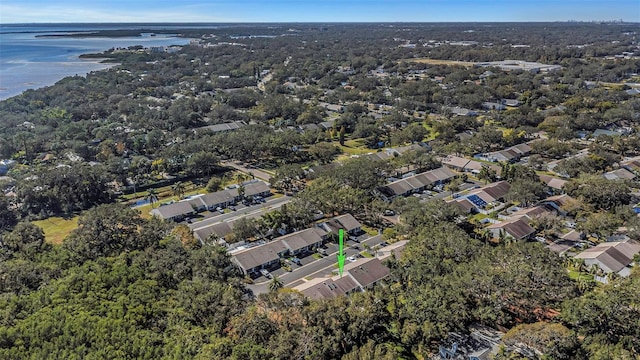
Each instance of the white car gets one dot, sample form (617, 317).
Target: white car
(265, 273)
(351, 258)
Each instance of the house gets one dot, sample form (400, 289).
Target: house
(302, 241)
(462, 111)
(455, 162)
(220, 230)
(174, 212)
(557, 202)
(510, 154)
(619, 174)
(256, 188)
(555, 184)
(530, 212)
(632, 164)
(221, 128)
(347, 222)
(416, 183)
(493, 106)
(360, 275)
(511, 102)
(327, 288)
(265, 256)
(467, 165)
(611, 257)
(218, 199)
(600, 132)
(516, 228)
(477, 200)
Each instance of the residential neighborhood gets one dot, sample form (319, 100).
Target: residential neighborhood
(324, 190)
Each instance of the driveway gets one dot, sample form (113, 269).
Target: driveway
(241, 211)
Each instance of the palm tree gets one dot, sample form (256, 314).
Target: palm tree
(487, 174)
(275, 284)
(178, 189)
(612, 276)
(151, 197)
(240, 177)
(241, 192)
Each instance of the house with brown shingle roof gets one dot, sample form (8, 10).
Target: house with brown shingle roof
(611, 257)
(483, 196)
(619, 174)
(554, 183)
(516, 228)
(357, 276)
(347, 222)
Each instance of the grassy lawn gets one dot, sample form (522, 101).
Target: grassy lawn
(369, 230)
(573, 275)
(479, 216)
(442, 62)
(56, 229)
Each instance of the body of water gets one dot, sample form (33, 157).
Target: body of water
(29, 62)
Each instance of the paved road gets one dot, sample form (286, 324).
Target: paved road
(259, 173)
(241, 211)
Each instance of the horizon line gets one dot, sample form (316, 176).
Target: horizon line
(618, 21)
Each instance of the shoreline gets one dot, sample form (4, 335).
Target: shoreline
(74, 67)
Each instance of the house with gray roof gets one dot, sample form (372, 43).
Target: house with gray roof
(265, 256)
(174, 212)
(220, 230)
(221, 128)
(303, 241)
(217, 199)
(416, 183)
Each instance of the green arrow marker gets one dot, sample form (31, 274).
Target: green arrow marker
(341, 255)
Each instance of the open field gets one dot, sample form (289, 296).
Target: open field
(442, 62)
(56, 229)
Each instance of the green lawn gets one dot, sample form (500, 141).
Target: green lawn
(56, 229)
(573, 274)
(369, 230)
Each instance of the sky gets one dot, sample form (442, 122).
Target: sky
(47, 11)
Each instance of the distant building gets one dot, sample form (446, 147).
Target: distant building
(509, 65)
(220, 128)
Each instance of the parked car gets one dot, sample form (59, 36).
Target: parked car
(322, 251)
(232, 208)
(389, 212)
(351, 258)
(265, 273)
(220, 210)
(296, 261)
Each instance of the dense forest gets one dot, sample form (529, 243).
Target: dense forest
(124, 286)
